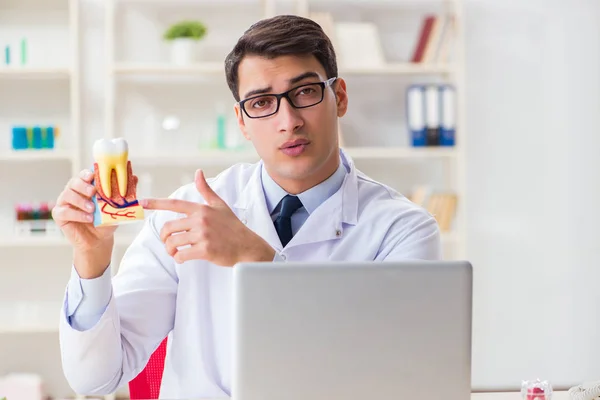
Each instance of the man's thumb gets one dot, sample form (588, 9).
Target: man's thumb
(209, 195)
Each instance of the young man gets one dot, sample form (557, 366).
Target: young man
(303, 201)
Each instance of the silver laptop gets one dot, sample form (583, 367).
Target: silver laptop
(352, 331)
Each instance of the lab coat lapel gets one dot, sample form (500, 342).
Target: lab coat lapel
(254, 212)
(328, 220)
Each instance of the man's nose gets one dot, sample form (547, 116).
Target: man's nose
(289, 119)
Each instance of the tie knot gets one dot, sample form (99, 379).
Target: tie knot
(289, 205)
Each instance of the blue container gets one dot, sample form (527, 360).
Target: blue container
(37, 137)
(19, 138)
(49, 138)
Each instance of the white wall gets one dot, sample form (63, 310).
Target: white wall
(534, 173)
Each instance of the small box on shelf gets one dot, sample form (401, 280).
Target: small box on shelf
(34, 219)
(34, 137)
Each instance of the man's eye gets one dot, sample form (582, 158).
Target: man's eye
(306, 91)
(261, 103)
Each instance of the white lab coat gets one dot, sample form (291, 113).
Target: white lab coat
(153, 296)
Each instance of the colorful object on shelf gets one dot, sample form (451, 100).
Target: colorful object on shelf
(34, 137)
(28, 211)
(23, 51)
(221, 126)
(116, 199)
(536, 390)
(22, 48)
(441, 204)
(34, 218)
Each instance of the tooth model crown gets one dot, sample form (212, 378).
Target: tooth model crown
(109, 155)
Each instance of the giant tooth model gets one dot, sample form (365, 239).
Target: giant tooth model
(116, 201)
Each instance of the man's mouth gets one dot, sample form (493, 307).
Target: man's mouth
(295, 143)
(295, 147)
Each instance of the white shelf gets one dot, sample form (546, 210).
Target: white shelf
(34, 73)
(198, 3)
(217, 68)
(120, 240)
(391, 153)
(30, 327)
(32, 241)
(29, 317)
(451, 238)
(398, 69)
(206, 68)
(229, 157)
(203, 157)
(51, 241)
(36, 5)
(36, 155)
(377, 3)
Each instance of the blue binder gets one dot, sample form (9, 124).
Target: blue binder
(432, 115)
(415, 114)
(448, 115)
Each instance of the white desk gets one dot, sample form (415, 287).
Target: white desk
(513, 396)
(498, 396)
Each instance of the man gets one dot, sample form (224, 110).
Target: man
(303, 201)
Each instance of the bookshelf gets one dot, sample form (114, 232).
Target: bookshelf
(35, 73)
(137, 81)
(39, 155)
(130, 77)
(208, 68)
(41, 89)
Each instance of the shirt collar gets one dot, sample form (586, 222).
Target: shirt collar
(310, 198)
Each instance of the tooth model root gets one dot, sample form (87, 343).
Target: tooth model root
(106, 164)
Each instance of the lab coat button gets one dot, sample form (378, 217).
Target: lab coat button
(338, 233)
(283, 256)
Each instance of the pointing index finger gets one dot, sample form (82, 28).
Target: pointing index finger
(175, 205)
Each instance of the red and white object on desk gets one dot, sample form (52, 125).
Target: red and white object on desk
(536, 390)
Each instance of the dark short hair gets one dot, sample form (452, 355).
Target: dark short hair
(278, 36)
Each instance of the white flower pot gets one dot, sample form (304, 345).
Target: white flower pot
(184, 51)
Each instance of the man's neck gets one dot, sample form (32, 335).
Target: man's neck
(300, 186)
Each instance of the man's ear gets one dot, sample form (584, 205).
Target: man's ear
(341, 96)
(239, 114)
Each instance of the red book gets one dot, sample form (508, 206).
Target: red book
(421, 46)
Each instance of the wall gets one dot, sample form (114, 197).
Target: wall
(533, 98)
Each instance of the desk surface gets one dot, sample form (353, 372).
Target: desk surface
(514, 396)
(500, 396)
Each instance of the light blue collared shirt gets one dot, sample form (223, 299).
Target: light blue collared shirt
(311, 198)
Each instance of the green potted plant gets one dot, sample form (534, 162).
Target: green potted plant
(184, 38)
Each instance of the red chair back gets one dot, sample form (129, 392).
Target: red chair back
(147, 384)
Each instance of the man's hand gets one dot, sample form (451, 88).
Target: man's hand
(212, 231)
(74, 216)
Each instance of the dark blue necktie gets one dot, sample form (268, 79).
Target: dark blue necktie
(283, 223)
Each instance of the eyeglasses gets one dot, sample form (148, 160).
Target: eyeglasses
(303, 96)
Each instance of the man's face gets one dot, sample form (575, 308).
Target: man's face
(299, 147)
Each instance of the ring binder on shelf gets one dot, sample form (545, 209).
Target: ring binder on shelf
(448, 115)
(415, 105)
